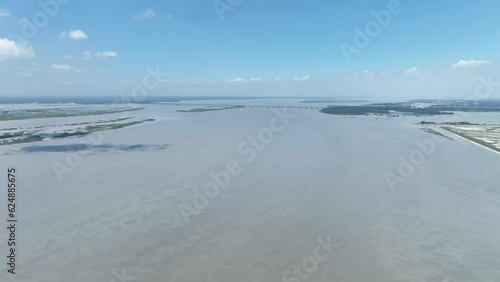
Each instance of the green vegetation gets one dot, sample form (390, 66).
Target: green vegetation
(435, 132)
(200, 110)
(473, 139)
(13, 134)
(32, 137)
(101, 121)
(432, 107)
(69, 134)
(54, 113)
(460, 105)
(381, 109)
(94, 128)
(333, 101)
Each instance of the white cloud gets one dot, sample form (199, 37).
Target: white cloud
(301, 78)
(106, 54)
(470, 63)
(238, 79)
(11, 49)
(61, 67)
(169, 17)
(67, 57)
(143, 15)
(87, 55)
(363, 74)
(4, 12)
(256, 79)
(77, 34)
(367, 73)
(413, 70)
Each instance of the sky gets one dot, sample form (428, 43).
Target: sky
(306, 48)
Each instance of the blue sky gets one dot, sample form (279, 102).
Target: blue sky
(262, 48)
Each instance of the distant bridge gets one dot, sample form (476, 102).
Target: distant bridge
(232, 106)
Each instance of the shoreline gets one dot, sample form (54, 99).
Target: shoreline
(468, 140)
